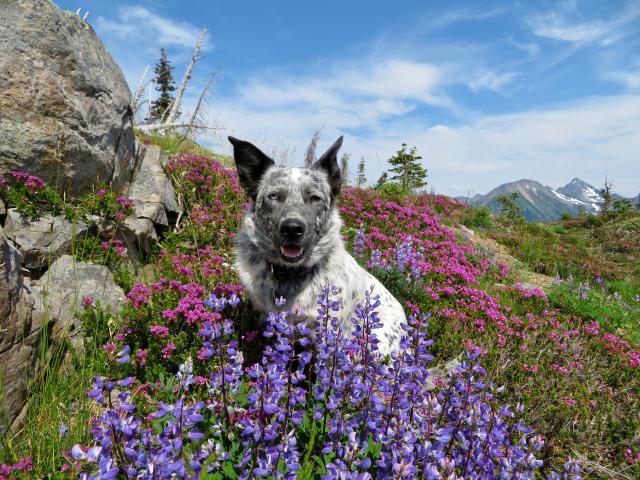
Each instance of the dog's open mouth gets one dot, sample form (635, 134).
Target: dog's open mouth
(291, 252)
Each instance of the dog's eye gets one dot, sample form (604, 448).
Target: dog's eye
(274, 196)
(315, 199)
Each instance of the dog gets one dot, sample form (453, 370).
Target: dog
(290, 245)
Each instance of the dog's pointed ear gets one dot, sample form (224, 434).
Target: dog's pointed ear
(251, 164)
(329, 163)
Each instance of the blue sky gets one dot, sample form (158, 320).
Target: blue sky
(487, 92)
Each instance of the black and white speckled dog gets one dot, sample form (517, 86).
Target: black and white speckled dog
(290, 245)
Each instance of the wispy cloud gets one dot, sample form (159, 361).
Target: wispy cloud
(563, 25)
(463, 15)
(629, 77)
(590, 139)
(138, 23)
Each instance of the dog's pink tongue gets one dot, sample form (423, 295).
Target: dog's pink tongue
(291, 252)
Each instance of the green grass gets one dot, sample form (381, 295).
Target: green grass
(58, 397)
(175, 144)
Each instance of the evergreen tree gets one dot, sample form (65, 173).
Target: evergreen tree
(361, 179)
(509, 209)
(344, 168)
(409, 174)
(165, 84)
(382, 181)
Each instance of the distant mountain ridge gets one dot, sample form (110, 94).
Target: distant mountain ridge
(542, 203)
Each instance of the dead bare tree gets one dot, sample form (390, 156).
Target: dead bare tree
(310, 154)
(138, 94)
(175, 108)
(607, 197)
(196, 119)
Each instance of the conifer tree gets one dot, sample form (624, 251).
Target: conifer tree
(165, 84)
(361, 179)
(409, 174)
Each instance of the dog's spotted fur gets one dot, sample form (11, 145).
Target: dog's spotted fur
(306, 196)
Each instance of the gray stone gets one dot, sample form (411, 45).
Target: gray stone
(65, 105)
(20, 333)
(3, 210)
(138, 235)
(44, 240)
(66, 283)
(151, 190)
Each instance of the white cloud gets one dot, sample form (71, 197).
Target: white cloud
(138, 23)
(491, 80)
(629, 77)
(560, 25)
(587, 139)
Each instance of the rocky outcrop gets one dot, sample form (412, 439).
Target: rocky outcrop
(25, 306)
(20, 333)
(65, 107)
(151, 190)
(43, 240)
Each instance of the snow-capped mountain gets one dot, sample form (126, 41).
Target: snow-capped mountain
(542, 203)
(580, 191)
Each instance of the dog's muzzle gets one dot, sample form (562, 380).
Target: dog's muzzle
(292, 232)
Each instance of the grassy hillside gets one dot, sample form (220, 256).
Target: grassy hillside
(549, 375)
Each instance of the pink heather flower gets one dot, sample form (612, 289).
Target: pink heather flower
(166, 351)
(631, 457)
(119, 216)
(530, 369)
(3, 181)
(147, 141)
(576, 365)
(569, 401)
(105, 245)
(142, 356)
(159, 330)
(87, 301)
(200, 380)
(125, 202)
(469, 345)
(101, 193)
(169, 314)
(558, 368)
(119, 337)
(109, 347)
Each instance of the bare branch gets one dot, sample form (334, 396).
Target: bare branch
(310, 154)
(201, 100)
(138, 95)
(175, 107)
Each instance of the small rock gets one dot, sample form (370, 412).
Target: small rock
(66, 283)
(138, 234)
(151, 190)
(44, 240)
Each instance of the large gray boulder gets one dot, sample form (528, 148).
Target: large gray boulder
(43, 240)
(65, 107)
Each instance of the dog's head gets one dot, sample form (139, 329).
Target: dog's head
(292, 208)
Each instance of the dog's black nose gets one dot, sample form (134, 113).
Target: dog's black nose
(292, 229)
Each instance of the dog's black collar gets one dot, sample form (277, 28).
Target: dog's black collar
(282, 273)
